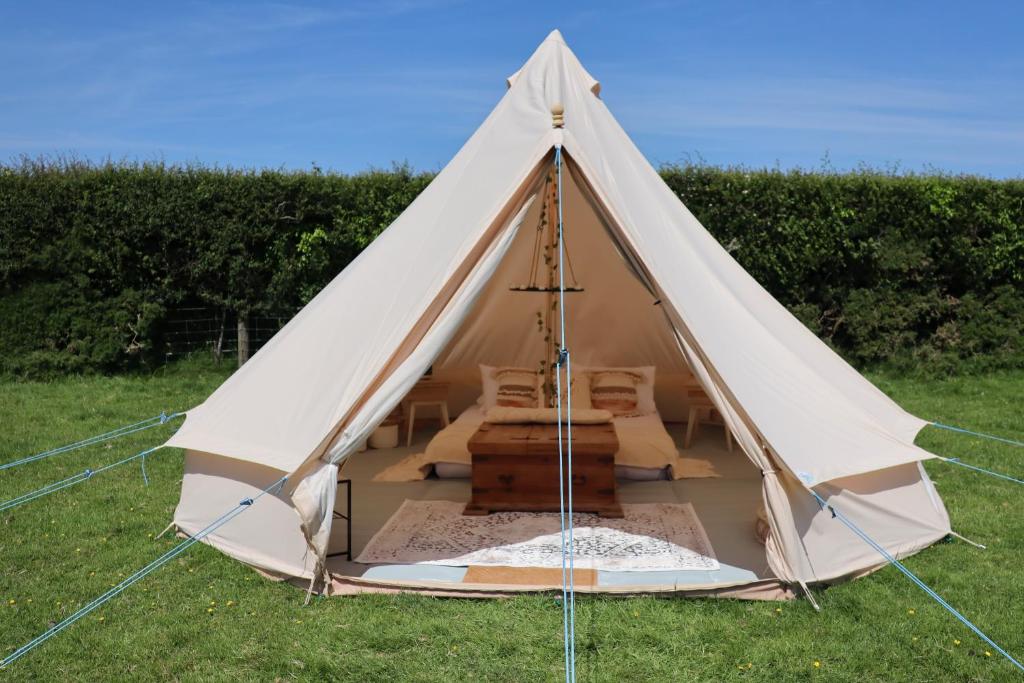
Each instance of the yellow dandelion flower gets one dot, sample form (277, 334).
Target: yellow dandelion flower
(778, 610)
(987, 653)
(817, 664)
(230, 603)
(209, 610)
(11, 601)
(103, 618)
(956, 642)
(911, 612)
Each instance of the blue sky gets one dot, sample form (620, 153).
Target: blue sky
(905, 85)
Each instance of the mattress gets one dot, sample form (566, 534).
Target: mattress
(645, 447)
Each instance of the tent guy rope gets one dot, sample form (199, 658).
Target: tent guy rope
(149, 423)
(565, 512)
(836, 514)
(981, 435)
(242, 506)
(982, 470)
(74, 479)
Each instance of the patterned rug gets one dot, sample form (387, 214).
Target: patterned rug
(651, 537)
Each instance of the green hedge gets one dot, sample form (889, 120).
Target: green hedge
(922, 271)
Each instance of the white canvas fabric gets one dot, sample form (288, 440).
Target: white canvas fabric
(433, 289)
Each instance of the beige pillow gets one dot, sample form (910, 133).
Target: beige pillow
(615, 391)
(644, 387)
(517, 388)
(580, 387)
(489, 385)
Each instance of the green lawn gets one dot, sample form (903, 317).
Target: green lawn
(58, 552)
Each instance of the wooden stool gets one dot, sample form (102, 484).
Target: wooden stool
(427, 392)
(442, 405)
(700, 402)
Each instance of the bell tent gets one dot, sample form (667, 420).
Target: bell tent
(440, 290)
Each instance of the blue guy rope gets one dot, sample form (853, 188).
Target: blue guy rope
(561, 519)
(74, 479)
(982, 435)
(913, 577)
(568, 603)
(563, 359)
(155, 421)
(982, 470)
(242, 506)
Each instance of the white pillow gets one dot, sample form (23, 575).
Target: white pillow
(644, 389)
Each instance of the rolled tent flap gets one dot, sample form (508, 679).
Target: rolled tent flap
(313, 500)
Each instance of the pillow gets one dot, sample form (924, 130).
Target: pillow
(644, 387)
(580, 387)
(517, 388)
(489, 385)
(489, 395)
(615, 391)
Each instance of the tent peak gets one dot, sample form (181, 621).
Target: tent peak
(556, 35)
(552, 51)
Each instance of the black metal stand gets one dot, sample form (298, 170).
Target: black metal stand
(347, 552)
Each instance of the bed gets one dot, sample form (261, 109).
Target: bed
(646, 450)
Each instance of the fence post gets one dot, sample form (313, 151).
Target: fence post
(243, 338)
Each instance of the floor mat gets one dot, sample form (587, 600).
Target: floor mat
(651, 537)
(528, 576)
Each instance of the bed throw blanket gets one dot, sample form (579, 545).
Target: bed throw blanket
(643, 442)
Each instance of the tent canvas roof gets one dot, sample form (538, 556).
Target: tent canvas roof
(340, 365)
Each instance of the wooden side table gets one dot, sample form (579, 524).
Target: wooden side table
(427, 393)
(515, 467)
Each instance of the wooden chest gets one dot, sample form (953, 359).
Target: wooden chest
(515, 467)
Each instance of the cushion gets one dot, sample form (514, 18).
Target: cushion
(489, 395)
(517, 387)
(504, 415)
(580, 387)
(644, 388)
(489, 383)
(615, 392)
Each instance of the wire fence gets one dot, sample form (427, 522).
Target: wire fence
(205, 329)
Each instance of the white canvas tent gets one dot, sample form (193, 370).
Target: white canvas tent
(433, 290)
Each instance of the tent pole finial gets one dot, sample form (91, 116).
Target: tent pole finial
(557, 115)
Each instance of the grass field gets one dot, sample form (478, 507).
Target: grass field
(205, 617)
